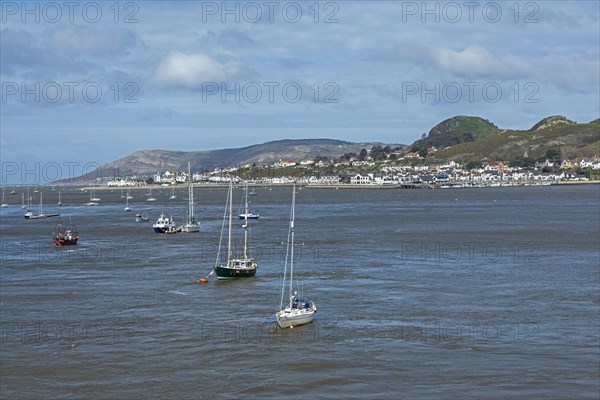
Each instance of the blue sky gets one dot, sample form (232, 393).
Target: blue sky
(82, 84)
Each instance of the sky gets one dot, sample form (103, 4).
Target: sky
(84, 83)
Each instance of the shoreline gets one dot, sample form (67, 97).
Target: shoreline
(333, 186)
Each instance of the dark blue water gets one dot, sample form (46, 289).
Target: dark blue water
(456, 293)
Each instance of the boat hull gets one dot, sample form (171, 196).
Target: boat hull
(168, 230)
(224, 272)
(289, 318)
(249, 216)
(191, 228)
(65, 242)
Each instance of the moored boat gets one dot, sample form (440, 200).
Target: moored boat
(164, 224)
(191, 225)
(63, 235)
(241, 267)
(299, 310)
(142, 217)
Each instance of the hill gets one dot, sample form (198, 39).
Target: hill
(456, 130)
(148, 162)
(556, 134)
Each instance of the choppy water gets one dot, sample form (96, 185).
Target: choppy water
(457, 293)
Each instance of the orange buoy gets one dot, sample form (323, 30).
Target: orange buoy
(203, 280)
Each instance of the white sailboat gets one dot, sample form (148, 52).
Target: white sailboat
(248, 214)
(300, 310)
(59, 200)
(190, 224)
(93, 197)
(173, 197)
(3, 205)
(127, 208)
(23, 205)
(150, 198)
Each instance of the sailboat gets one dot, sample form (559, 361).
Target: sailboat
(129, 196)
(150, 198)
(173, 197)
(3, 205)
(300, 310)
(127, 208)
(248, 214)
(59, 200)
(40, 215)
(242, 267)
(63, 235)
(23, 205)
(190, 224)
(93, 197)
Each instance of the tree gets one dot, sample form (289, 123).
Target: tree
(473, 165)
(362, 156)
(553, 155)
(423, 152)
(377, 153)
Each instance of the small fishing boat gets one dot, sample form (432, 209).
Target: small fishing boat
(141, 217)
(65, 235)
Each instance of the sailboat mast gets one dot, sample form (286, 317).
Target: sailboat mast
(292, 240)
(246, 225)
(190, 196)
(229, 255)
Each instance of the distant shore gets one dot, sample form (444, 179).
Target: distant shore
(335, 186)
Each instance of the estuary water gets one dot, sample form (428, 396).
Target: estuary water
(451, 293)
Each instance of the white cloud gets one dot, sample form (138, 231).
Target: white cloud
(191, 70)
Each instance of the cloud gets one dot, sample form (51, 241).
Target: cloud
(235, 38)
(82, 40)
(570, 72)
(190, 70)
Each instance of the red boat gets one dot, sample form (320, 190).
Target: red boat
(63, 235)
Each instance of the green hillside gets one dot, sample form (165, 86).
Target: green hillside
(456, 130)
(557, 134)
